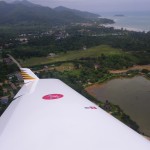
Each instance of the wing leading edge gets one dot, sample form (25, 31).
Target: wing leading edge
(48, 114)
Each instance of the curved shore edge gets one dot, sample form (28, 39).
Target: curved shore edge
(137, 70)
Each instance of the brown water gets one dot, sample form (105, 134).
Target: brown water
(132, 95)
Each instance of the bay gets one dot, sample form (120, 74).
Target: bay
(135, 21)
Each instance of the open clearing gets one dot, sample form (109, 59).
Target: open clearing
(73, 55)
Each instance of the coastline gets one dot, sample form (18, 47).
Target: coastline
(124, 28)
(132, 21)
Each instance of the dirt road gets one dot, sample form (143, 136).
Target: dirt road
(137, 67)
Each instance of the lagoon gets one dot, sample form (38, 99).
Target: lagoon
(131, 94)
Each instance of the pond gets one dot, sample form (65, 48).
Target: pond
(131, 94)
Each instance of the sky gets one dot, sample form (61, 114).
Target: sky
(98, 5)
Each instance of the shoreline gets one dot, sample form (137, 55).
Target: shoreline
(90, 90)
(125, 28)
(100, 85)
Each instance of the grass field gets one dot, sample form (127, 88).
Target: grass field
(72, 55)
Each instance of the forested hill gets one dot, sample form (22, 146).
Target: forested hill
(83, 14)
(25, 12)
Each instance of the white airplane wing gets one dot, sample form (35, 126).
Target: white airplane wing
(46, 114)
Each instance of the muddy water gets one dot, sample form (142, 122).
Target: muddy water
(132, 95)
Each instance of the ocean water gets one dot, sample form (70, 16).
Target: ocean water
(136, 21)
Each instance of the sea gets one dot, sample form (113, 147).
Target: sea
(134, 21)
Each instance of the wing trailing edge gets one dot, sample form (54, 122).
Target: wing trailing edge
(28, 75)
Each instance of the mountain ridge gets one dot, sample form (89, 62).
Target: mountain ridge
(26, 12)
(85, 14)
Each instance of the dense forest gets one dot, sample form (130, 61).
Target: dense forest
(71, 38)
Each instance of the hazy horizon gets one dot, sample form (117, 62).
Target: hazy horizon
(97, 6)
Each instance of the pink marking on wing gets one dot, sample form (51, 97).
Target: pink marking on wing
(52, 96)
(91, 107)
